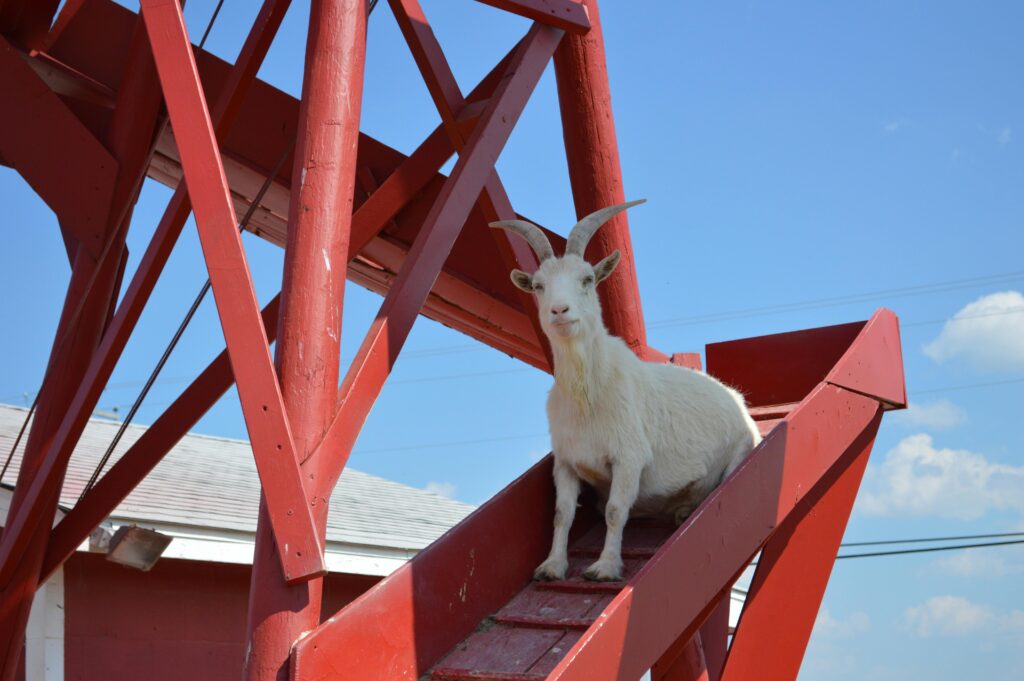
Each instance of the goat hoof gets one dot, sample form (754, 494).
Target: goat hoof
(604, 571)
(551, 570)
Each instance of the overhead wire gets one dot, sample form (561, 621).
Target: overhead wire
(919, 540)
(930, 549)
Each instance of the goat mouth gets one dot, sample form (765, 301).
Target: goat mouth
(564, 326)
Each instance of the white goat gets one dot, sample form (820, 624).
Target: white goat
(652, 439)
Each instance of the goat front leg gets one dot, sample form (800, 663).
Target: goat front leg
(624, 489)
(567, 491)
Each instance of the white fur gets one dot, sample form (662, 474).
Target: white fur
(650, 438)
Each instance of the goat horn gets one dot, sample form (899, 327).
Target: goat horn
(533, 234)
(585, 228)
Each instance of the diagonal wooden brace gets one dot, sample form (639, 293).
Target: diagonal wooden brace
(791, 577)
(494, 201)
(258, 389)
(372, 365)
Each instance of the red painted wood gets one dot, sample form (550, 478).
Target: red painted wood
(714, 638)
(26, 21)
(144, 454)
(402, 305)
(685, 664)
(307, 354)
(591, 147)
(494, 202)
(564, 14)
(792, 574)
(54, 152)
(781, 368)
(874, 364)
(299, 548)
(690, 360)
(497, 652)
(408, 622)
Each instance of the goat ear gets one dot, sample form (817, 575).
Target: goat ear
(522, 280)
(606, 266)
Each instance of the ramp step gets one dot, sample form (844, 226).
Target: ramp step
(502, 653)
(530, 634)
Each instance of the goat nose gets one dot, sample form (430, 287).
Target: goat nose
(559, 309)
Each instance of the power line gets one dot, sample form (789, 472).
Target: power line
(961, 318)
(901, 292)
(933, 539)
(931, 549)
(457, 443)
(470, 347)
(967, 386)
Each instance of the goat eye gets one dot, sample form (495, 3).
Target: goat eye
(538, 287)
(588, 280)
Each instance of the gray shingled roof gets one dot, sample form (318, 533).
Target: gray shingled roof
(211, 482)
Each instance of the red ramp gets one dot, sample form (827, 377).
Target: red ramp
(465, 608)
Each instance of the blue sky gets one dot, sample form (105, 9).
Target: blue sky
(790, 153)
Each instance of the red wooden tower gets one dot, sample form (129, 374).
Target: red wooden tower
(97, 98)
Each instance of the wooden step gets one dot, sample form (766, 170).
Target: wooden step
(531, 633)
(502, 653)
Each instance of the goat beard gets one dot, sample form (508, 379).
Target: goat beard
(577, 380)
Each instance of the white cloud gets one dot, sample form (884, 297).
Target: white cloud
(957, 616)
(935, 415)
(916, 478)
(827, 625)
(988, 333)
(443, 489)
(986, 563)
(947, 615)
(1003, 136)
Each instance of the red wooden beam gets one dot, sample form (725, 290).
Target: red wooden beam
(299, 547)
(494, 201)
(714, 637)
(21, 524)
(791, 577)
(389, 330)
(684, 662)
(27, 21)
(564, 14)
(56, 154)
(584, 98)
(37, 491)
(144, 454)
(129, 138)
(312, 295)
